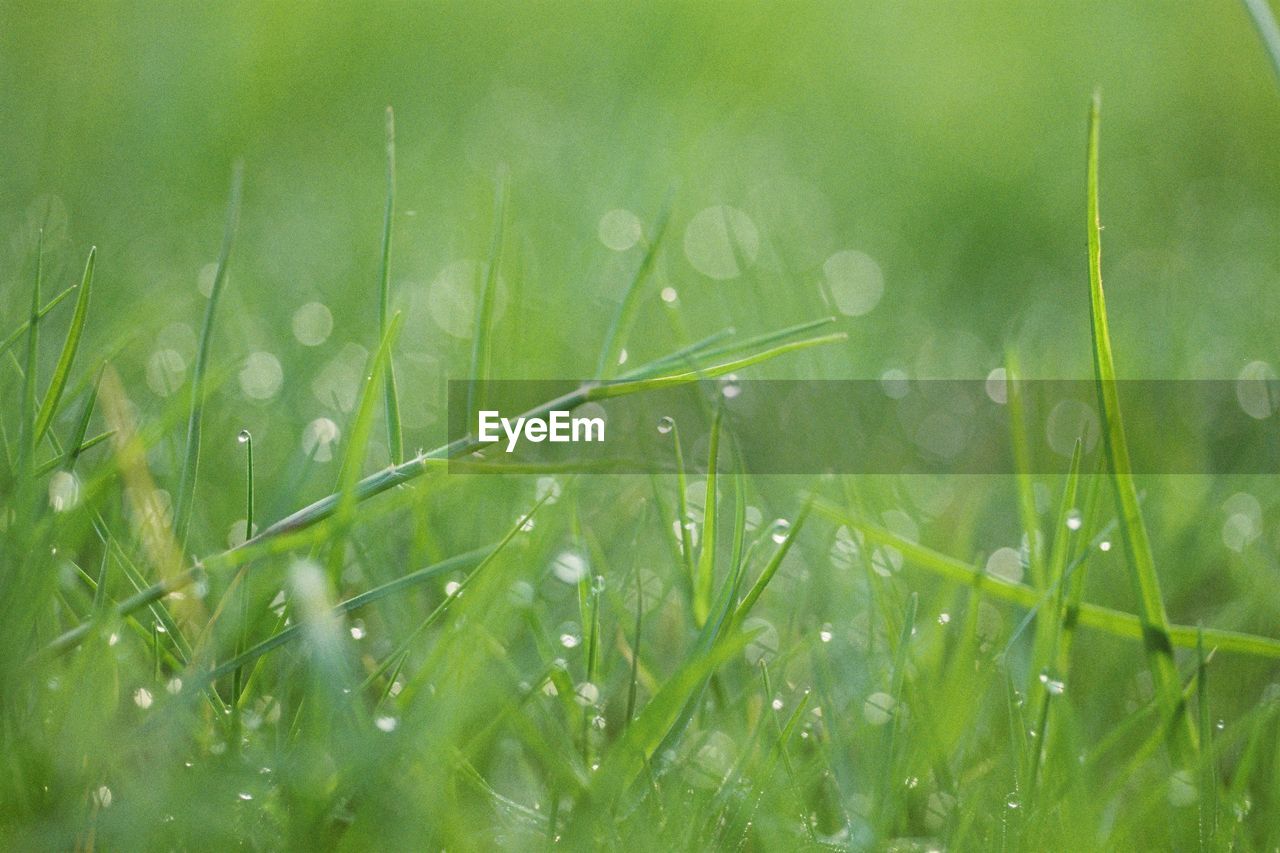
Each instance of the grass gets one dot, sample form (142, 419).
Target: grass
(402, 657)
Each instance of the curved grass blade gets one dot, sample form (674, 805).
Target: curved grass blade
(27, 447)
(191, 461)
(1133, 530)
(293, 529)
(395, 434)
(1265, 21)
(62, 370)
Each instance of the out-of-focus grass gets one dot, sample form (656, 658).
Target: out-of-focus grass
(420, 658)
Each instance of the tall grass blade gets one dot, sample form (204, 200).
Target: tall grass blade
(395, 434)
(62, 370)
(191, 460)
(16, 334)
(616, 338)
(482, 344)
(27, 447)
(1133, 530)
(706, 568)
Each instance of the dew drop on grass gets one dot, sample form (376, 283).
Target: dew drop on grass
(586, 693)
(1182, 789)
(779, 529)
(569, 567)
(548, 489)
(166, 370)
(261, 376)
(619, 229)
(244, 796)
(64, 491)
(776, 704)
(1074, 519)
(386, 724)
(719, 239)
(944, 618)
(318, 439)
(103, 797)
(451, 588)
(312, 324)
(665, 425)
(174, 686)
(854, 281)
(598, 584)
(570, 635)
(878, 709)
(997, 386)
(1052, 686)
(142, 698)
(729, 387)
(357, 630)
(825, 634)
(1005, 563)
(236, 534)
(669, 295)
(1104, 545)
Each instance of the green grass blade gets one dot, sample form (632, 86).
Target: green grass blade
(1265, 21)
(706, 568)
(27, 448)
(63, 369)
(1105, 619)
(191, 459)
(482, 344)
(1133, 530)
(771, 567)
(395, 433)
(616, 338)
(16, 334)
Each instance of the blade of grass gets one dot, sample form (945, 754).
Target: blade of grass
(62, 370)
(191, 460)
(1105, 619)
(481, 346)
(1133, 530)
(395, 434)
(615, 339)
(27, 447)
(16, 334)
(1265, 21)
(706, 569)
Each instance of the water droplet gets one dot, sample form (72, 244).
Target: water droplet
(669, 295)
(729, 387)
(1052, 686)
(619, 229)
(598, 584)
(166, 370)
(569, 567)
(64, 491)
(944, 618)
(386, 724)
(1074, 519)
(854, 282)
(174, 686)
(357, 630)
(142, 698)
(451, 588)
(825, 633)
(318, 439)
(261, 376)
(997, 386)
(878, 708)
(570, 635)
(1104, 545)
(665, 425)
(103, 797)
(718, 239)
(1012, 801)
(776, 704)
(779, 529)
(312, 324)
(586, 693)
(548, 489)
(245, 796)
(1220, 724)
(912, 782)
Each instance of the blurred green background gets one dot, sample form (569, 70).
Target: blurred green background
(916, 169)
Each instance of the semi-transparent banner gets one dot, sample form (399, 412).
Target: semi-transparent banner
(894, 426)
